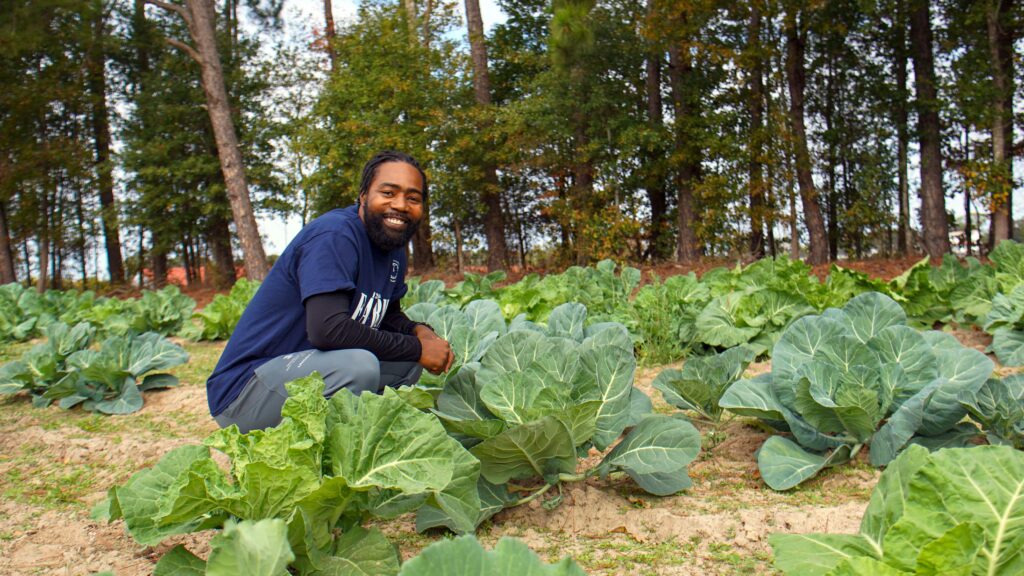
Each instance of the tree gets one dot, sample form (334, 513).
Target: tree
(795, 40)
(199, 17)
(1000, 43)
(494, 219)
(934, 222)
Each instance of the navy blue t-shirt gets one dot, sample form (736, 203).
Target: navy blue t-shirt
(332, 253)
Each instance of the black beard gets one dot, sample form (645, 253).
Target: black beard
(385, 238)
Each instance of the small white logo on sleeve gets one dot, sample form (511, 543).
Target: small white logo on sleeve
(394, 271)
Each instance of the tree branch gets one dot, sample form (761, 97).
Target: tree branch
(186, 49)
(181, 10)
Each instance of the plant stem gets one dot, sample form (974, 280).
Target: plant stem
(534, 496)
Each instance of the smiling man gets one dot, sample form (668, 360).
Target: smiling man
(331, 304)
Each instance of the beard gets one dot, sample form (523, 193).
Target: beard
(385, 238)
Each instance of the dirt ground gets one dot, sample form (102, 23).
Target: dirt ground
(55, 465)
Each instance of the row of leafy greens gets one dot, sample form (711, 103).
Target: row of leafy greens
(109, 378)
(25, 313)
(955, 511)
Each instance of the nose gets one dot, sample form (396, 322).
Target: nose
(398, 202)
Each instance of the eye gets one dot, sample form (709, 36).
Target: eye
(387, 192)
(414, 199)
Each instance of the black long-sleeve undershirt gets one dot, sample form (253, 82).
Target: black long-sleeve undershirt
(329, 326)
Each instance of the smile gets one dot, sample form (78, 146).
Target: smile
(395, 222)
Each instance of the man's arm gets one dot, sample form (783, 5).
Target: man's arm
(329, 326)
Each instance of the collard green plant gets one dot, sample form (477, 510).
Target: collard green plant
(425, 291)
(702, 381)
(998, 406)
(469, 331)
(322, 470)
(539, 396)
(856, 376)
(475, 287)
(1005, 321)
(65, 370)
(956, 511)
(217, 320)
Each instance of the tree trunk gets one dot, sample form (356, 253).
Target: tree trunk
(832, 160)
(755, 168)
(222, 273)
(330, 33)
(96, 68)
(968, 228)
(7, 273)
(43, 244)
(808, 195)
(458, 246)
(199, 16)
(1000, 43)
(494, 219)
(934, 223)
(902, 132)
(655, 182)
(688, 171)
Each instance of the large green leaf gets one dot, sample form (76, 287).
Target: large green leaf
(907, 347)
(360, 552)
(390, 444)
(611, 369)
(464, 556)
(1008, 346)
(804, 340)
(870, 313)
(659, 450)
(816, 554)
(251, 548)
(784, 464)
(720, 323)
(889, 497)
(752, 397)
(536, 449)
(139, 499)
(963, 370)
(983, 485)
(567, 320)
(178, 561)
(459, 501)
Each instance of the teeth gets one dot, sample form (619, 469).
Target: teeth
(395, 221)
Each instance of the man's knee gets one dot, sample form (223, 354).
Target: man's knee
(357, 370)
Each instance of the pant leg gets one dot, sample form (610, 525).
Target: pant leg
(260, 402)
(397, 374)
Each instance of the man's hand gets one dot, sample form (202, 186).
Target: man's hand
(436, 355)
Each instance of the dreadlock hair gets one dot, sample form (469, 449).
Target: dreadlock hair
(370, 169)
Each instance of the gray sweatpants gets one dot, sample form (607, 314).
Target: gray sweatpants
(259, 404)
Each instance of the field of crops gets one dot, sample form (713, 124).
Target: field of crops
(738, 422)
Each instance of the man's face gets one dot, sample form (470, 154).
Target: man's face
(392, 208)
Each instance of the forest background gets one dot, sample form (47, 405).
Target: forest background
(138, 135)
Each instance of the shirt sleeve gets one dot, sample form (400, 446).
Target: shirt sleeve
(329, 326)
(396, 321)
(328, 262)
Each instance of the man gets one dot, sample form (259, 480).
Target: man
(331, 304)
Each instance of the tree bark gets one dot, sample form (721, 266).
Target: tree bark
(902, 132)
(222, 273)
(7, 273)
(934, 223)
(655, 183)
(330, 33)
(1000, 43)
(199, 15)
(97, 83)
(755, 168)
(688, 171)
(808, 195)
(494, 219)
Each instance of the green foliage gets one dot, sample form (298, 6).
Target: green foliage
(464, 556)
(854, 376)
(703, 380)
(998, 406)
(65, 370)
(956, 511)
(312, 478)
(538, 396)
(217, 320)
